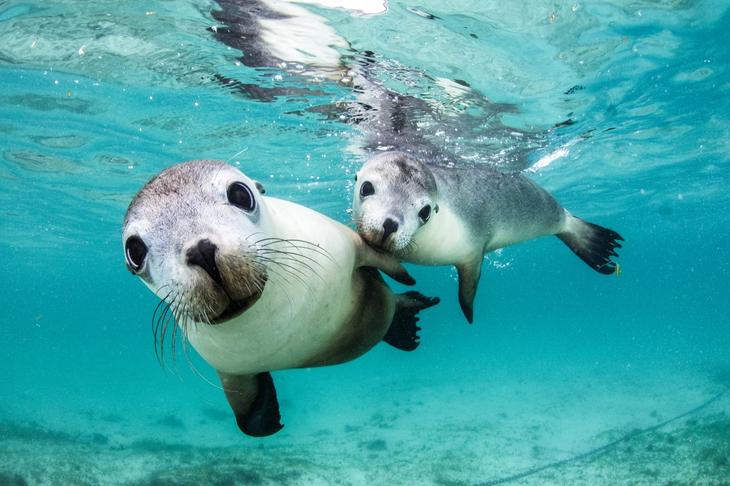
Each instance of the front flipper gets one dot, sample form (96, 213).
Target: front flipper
(254, 403)
(403, 331)
(385, 262)
(469, 274)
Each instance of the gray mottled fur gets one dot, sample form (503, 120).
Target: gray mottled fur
(475, 209)
(486, 198)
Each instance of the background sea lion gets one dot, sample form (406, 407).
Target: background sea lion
(438, 214)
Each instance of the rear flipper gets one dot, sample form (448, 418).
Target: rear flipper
(254, 403)
(594, 244)
(403, 331)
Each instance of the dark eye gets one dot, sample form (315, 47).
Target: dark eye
(367, 189)
(135, 251)
(424, 213)
(241, 196)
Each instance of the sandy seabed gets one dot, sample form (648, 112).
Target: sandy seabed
(532, 432)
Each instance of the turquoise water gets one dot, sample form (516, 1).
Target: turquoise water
(97, 98)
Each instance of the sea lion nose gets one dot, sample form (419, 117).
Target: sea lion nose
(203, 255)
(389, 227)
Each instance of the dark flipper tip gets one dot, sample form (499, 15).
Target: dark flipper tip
(263, 419)
(405, 278)
(595, 245)
(466, 302)
(468, 311)
(469, 274)
(403, 331)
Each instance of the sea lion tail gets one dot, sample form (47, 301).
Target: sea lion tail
(594, 244)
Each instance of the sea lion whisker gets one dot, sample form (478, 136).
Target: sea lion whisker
(282, 252)
(285, 286)
(308, 245)
(248, 238)
(297, 244)
(259, 284)
(294, 258)
(173, 333)
(264, 242)
(411, 247)
(206, 310)
(283, 276)
(290, 270)
(272, 269)
(248, 283)
(195, 369)
(161, 287)
(177, 318)
(275, 271)
(154, 321)
(183, 323)
(284, 271)
(293, 254)
(164, 320)
(173, 339)
(269, 258)
(293, 270)
(169, 318)
(161, 329)
(186, 347)
(163, 301)
(299, 248)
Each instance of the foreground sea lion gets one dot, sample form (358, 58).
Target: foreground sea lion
(437, 214)
(260, 284)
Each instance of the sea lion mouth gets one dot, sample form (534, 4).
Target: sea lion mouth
(387, 246)
(375, 241)
(235, 308)
(377, 246)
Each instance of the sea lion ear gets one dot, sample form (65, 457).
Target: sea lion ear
(260, 187)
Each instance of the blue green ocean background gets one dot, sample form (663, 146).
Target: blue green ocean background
(97, 97)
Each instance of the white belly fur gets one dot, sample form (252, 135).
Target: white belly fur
(292, 321)
(444, 240)
(447, 240)
(505, 235)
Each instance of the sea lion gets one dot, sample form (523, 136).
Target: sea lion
(447, 214)
(258, 284)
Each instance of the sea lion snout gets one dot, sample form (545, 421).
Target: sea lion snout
(390, 226)
(226, 283)
(386, 233)
(202, 254)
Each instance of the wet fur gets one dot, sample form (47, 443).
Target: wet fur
(321, 300)
(475, 209)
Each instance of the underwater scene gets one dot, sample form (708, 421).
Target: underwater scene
(441, 134)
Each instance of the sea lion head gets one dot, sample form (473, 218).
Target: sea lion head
(395, 195)
(193, 235)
